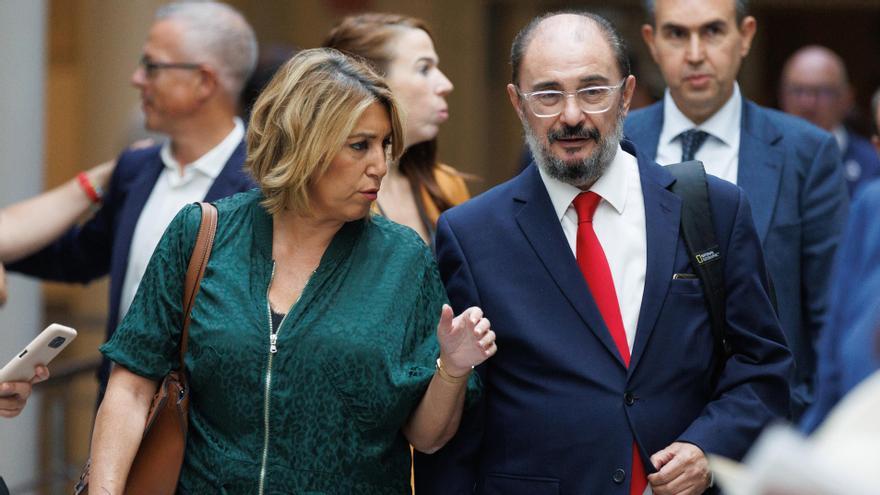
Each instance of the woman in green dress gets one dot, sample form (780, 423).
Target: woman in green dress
(315, 334)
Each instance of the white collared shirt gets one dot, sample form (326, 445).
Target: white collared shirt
(173, 190)
(619, 223)
(841, 136)
(720, 152)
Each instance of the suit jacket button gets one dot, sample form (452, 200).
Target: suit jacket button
(629, 399)
(618, 476)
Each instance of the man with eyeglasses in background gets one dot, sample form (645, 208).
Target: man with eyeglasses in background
(789, 170)
(195, 62)
(815, 86)
(608, 380)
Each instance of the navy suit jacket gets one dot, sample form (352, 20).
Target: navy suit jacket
(860, 162)
(560, 409)
(849, 349)
(102, 244)
(791, 172)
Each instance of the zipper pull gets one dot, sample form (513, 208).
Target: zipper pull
(273, 339)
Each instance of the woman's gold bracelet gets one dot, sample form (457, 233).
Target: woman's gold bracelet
(445, 376)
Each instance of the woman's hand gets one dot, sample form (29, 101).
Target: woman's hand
(14, 395)
(465, 340)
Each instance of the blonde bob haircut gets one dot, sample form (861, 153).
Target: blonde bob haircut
(302, 119)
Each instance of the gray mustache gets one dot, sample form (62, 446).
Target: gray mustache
(579, 132)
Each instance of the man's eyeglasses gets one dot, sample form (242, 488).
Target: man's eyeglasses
(551, 102)
(825, 93)
(150, 67)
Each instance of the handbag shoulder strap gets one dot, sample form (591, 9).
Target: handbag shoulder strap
(198, 260)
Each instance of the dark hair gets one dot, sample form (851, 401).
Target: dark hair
(371, 37)
(524, 37)
(740, 6)
(270, 60)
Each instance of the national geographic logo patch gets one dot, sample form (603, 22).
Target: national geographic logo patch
(707, 256)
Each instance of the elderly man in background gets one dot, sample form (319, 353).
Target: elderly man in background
(194, 64)
(815, 85)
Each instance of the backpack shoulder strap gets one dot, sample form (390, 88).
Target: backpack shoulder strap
(197, 262)
(703, 249)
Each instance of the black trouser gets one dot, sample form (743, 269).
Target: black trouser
(3, 489)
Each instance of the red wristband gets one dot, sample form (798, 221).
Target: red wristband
(88, 188)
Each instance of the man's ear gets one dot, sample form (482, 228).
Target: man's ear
(629, 88)
(747, 29)
(515, 100)
(648, 37)
(209, 81)
(875, 139)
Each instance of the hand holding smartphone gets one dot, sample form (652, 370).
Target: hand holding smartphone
(41, 350)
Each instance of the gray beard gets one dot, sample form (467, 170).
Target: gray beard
(578, 173)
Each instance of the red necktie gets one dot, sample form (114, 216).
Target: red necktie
(593, 264)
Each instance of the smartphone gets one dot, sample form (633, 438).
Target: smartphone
(41, 350)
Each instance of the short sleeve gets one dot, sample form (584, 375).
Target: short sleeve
(147, 340)
(422, 344)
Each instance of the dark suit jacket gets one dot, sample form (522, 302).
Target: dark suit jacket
(560, 408)
(860, 162)
(102, 244)
(791, 172)
(849, 349)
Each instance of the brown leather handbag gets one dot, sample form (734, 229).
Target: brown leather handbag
(156, 466)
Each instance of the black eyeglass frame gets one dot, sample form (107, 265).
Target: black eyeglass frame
(150, 67)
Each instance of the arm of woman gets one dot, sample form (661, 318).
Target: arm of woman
(465, 341)
(53, 212)
(119, 427)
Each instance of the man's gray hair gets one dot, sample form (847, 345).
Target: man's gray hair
(218, 35)
(741, 7)
(875, 105)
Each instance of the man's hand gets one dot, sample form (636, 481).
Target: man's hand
(682, 469)
(465, 340)
(14, 395)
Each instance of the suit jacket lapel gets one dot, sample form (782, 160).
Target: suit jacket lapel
(760, 164)
(645, 131)
(537, 220)
(662, 221)
(135, 199)
(231, 177)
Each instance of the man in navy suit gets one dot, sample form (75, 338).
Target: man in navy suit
(789, 169)
(815, 86)
(194, 65)
(607, 379)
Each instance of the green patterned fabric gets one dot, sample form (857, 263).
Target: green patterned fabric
(354, 355)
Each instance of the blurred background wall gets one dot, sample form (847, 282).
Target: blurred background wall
(67, 104)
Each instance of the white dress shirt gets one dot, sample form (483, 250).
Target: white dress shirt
(619, 223)
(720, 152)
(176, 187)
